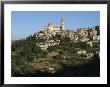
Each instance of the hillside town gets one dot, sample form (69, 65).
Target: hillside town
(86, 35)
(57, 51)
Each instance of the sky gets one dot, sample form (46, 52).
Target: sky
(25, 23)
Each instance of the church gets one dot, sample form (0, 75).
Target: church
(50, 28)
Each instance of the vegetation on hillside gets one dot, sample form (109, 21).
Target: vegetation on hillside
(27, 59)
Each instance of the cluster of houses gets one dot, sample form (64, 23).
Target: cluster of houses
(48, 43)
(84, 54)
(87, 35)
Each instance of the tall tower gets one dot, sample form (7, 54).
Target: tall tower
(62, 24)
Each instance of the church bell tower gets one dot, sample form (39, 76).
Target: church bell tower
(62, 24)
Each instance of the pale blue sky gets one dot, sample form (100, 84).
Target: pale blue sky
(25, 23)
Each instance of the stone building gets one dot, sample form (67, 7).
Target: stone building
(93, 32)
(81, 52)
(96, 38)
(82, 32)
(54, 29)
(89, 43)
(89, 55)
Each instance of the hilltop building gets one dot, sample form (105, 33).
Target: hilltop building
(53, 29)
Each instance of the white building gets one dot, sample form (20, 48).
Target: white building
(89, 55)
(53, 29)
(81, 52)
(96, 38)
(89, 43)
